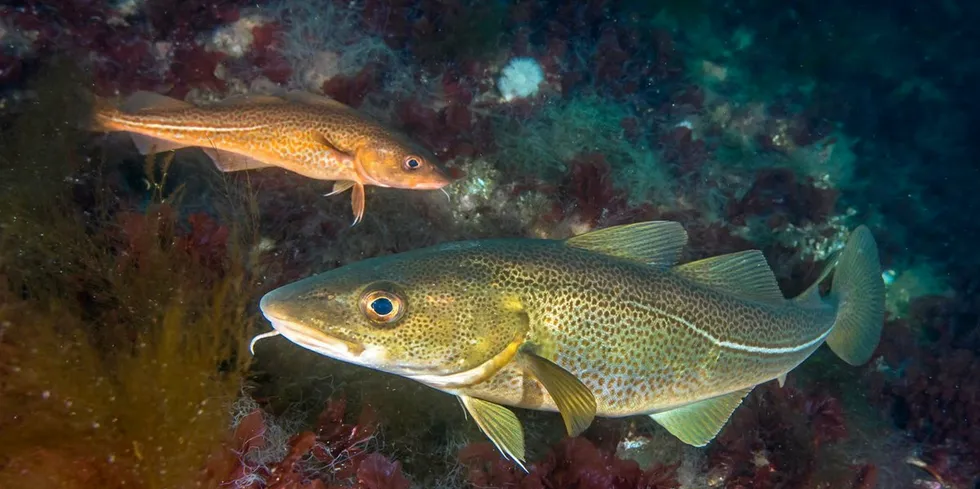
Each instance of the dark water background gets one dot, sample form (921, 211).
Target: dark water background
(130, 285)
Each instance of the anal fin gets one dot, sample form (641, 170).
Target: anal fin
(698, 423)
(227, 161)
(575, 402)
(500, 425)
(149, 144)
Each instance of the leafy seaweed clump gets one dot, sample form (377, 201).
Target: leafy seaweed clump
(122, 331)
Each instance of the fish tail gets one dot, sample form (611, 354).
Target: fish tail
(108, 116)
(102, 111)
(859, 293)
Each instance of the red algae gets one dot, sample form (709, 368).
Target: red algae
(266, 52)
(351, 90)
(377, 472)
(332, 455)
(574, 463)
(780, 197)
(194, 67)
(926, 387)
(683, 150)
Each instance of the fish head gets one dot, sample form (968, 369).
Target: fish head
(430, 315)
(393, 161)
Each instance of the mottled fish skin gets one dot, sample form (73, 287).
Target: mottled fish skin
(287, 134)
(608, 322)
(641, 339)
(310, 135)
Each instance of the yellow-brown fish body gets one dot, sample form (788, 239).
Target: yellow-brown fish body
(310, 135)
(605, 324)
(645, 340)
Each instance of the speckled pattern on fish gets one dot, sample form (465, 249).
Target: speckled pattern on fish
(307, 134)
(610, 310)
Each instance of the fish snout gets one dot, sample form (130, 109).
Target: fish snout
(433, 184)
(296, 320)
(281, 309)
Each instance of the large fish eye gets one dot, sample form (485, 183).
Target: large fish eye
(413, 163)
(382, 306)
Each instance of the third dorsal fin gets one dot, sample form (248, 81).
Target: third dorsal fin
(656, 243)
(745, 274)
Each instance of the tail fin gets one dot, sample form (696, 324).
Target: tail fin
(101, 108)
(859, 292)
(103, 111)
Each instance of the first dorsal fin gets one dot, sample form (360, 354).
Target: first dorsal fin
(656, 243)
(745, 274)
(144, 100)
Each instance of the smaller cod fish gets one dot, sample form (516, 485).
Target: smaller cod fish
(314, 136)
(607, 323)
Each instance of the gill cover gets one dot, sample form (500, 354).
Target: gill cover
(393, 161)
(427, 314)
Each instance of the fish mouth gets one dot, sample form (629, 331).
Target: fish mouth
(436, 185)
(309, 337)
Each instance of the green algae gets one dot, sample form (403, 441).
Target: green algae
(122, 351)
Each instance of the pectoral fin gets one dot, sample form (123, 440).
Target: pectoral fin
(324, 140)
(575, 401)
(697, 424)
(500, 425)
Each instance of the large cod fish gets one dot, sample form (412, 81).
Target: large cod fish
(314, 136)
(603, 324)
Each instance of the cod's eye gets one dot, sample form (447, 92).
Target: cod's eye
(413, 163)
(382, 306)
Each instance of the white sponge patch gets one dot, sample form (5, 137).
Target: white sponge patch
(521, 78)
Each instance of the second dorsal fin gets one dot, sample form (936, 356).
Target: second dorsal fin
(656, 243)
(745, 274)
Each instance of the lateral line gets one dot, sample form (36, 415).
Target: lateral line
(731, 344)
